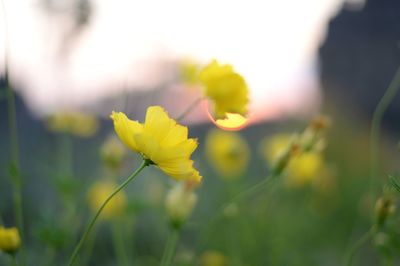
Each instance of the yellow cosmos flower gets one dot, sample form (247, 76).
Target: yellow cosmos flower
(227, 152)
(226, 88)
(76, 123)
(161, 140)
(99, 192)
(10, 240)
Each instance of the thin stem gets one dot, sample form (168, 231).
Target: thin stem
(189, 108)
(358, 245)
(170, 247)
(119, 245)
(14, 260)
(376, 126)
(92, 222)
(13, 132)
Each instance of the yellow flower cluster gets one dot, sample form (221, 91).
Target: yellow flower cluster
(76, 123)
(161, 140)
(227, 152)
(226, 88)
(10, 240)
(99, 192)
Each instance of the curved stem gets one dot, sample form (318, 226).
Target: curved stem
(170, 247)
(92, 222)
(358, 245)
(376, 124)
(189, 108)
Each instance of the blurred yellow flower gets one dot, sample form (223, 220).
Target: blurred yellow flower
(99, 192)
(226, 88)
(302, 168)
(180, 202)
(10, 240)
(112, 152)
(76, 123)
(273, 147)
(161, 140)
(227, 152)
(213, 258)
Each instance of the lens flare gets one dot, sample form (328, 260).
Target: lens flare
(232, 122)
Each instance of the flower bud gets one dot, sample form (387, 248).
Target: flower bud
(9, 240)
(383, 208)
(180, 202)
(113, 152)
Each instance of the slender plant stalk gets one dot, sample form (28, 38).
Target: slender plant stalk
(170, 247)
(93, 221)
(15, 172)
(376, 127)
(119, 245)
(358, 245)
(189, 108)
(14, 260)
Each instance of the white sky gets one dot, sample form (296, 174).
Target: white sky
(273, 44)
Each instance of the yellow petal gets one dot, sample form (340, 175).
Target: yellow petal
(126, 128)
(158, 123)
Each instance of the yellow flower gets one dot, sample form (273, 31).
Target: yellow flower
(161, 140)
(274, 147)
(227, 152)
(10, 240)
(226, 88)
(180, 202)
(76, 123)
(99, 192)
(304, 168)
(213, 258)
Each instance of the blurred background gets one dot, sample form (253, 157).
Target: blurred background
(299, 58)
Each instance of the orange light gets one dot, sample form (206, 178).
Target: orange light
(232, 122)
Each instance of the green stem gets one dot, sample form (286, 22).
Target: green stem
(170, 247)
(92, 222)
(13, 132)
(358, 245)
(14, 260)
(119, 245)
(376, 126)
(189, 108)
